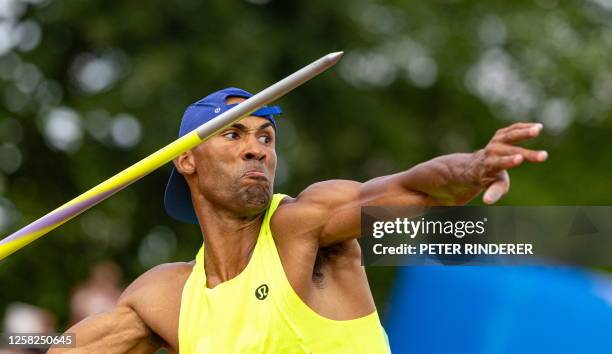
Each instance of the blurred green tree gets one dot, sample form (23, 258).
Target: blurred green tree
(89, 87)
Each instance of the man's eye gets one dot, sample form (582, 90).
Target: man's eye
(231, 135)
(264, 139)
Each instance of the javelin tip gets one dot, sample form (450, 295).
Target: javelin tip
(334, 57)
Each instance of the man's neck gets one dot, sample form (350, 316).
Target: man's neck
(229, 242)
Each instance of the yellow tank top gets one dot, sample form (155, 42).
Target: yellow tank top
(259, 312)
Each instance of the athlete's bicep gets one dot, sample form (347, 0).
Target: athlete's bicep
(331, 210)
(120, 330)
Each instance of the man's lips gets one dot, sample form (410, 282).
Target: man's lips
(255, 174)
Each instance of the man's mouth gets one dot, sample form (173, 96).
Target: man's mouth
(255, 174)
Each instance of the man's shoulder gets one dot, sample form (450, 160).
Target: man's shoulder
(323, 191)
(319, 194)
(155, 297)
(313, 203)
(160, 281)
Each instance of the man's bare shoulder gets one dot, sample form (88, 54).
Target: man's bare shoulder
(322, 192)
(160, 281)
(306, 213)
(316, 197)
(155, 297)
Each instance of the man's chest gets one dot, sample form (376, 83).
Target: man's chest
(329, 280)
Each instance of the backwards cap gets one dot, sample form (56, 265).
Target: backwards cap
(177, 198)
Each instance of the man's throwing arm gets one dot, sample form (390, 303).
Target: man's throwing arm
(330, 210)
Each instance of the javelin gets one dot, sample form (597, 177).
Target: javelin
(76, 206)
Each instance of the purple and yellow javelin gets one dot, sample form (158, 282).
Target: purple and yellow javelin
(76, 206)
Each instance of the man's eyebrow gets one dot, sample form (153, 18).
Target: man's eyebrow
(265, 125)
(239, 126)
(244, 128)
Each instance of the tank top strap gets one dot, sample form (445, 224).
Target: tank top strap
(198, 267)
(276, 199)
(265, 233)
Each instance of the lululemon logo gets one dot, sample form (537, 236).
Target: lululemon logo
(262, 292)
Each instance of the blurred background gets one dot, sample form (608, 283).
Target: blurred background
(89, 87)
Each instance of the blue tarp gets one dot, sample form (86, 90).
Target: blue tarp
(490, 310)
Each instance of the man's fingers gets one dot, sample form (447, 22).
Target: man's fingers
(506, 150)
(493, 193)
(520, 134)
(499, 163)
(497, 189)
(501, 155)
(516, 126)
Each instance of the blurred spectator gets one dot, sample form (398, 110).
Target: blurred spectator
(26, 318)
(98, 293)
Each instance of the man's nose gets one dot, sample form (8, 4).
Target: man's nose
(253, 150)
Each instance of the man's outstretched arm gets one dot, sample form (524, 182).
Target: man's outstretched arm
(330, 210)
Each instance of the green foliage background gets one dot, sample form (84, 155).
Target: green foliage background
(419, 79)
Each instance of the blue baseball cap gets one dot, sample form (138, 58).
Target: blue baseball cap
(177, 198)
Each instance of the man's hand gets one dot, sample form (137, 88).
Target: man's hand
(492, 162)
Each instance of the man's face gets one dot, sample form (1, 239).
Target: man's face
(235, 169)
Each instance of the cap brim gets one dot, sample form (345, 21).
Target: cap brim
(177, 199)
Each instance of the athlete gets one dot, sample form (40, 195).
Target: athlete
(277, 274)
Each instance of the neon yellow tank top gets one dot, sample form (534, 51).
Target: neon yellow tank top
(259, 312)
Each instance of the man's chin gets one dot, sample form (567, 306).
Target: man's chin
(256, 197)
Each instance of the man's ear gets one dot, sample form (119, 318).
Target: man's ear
(185, 163)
